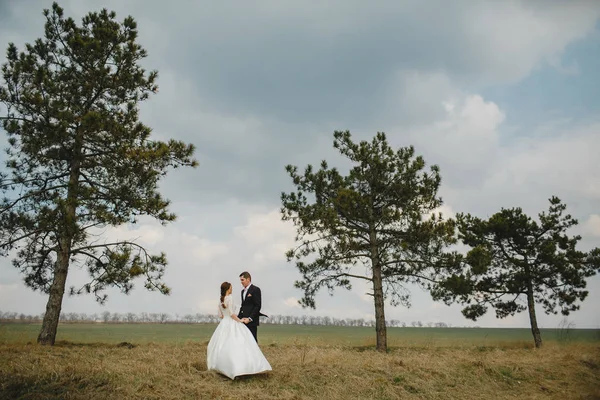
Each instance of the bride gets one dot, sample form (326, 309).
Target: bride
(232, 349)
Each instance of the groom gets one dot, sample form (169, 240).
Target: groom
(251, 303)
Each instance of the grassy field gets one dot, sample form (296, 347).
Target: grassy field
(90, 361)
(294, 334)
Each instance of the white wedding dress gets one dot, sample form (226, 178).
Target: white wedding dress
(232, 349)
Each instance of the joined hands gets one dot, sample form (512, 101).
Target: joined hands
(245, 320)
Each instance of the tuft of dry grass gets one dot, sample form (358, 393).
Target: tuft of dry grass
(301, 371)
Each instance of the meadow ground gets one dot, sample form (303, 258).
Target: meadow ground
(150, 361)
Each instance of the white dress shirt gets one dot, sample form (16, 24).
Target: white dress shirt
(246, 290)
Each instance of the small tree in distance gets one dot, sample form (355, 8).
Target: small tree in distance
(515, 263)
(375, 219)
(79, 159)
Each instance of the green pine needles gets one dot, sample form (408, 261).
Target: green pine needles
(80, 159)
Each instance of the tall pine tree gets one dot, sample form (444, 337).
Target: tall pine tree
(79, 158)
(376, 224)
(516, 263)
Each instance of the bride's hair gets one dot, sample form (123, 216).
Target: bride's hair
(224, 288)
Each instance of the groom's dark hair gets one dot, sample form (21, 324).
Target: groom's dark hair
(246, 275)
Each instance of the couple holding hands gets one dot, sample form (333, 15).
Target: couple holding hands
(233, 348)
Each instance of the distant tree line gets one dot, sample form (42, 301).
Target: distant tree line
(164, 318)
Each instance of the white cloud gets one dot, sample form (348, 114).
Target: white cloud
(201, 250)
(464, 140)
(264, 239)
(411, 94)
(562, 164)
(292, 302)
(515, 37)
(148, 234)
(592, 225)
(470, 131)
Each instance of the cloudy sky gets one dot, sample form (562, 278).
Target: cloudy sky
(501, 95)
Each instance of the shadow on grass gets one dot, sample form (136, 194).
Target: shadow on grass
(50, 386)
(68, 344)
(256, 377)
(590, 364)
(264, 376)
(516, 345)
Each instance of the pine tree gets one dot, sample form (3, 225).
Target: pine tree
(515, 263)
(79, 159)
(379, 218)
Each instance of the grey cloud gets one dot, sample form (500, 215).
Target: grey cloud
(336, 61)
(291, 64)
(303, 70)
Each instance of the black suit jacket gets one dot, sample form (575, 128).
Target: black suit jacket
(251, 305)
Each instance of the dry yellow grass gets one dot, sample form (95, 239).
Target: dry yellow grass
(168, 371)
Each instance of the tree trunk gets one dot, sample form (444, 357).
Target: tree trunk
(47, 335)
(537, 336)
(380, 328)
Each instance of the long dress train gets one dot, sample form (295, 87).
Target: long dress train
(232, 349)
